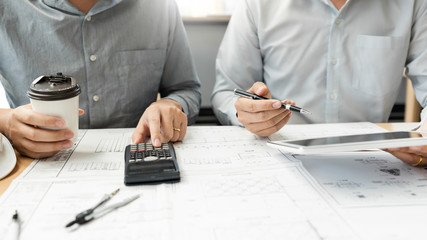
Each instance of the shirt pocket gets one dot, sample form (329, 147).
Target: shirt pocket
(378, 64)
(140, 74)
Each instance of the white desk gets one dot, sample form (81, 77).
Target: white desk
(233, 187)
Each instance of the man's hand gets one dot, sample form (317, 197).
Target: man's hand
(23, 127)
(262, 117)
(164, 121)
(415, 155)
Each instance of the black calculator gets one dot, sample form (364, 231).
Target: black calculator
(145, 163)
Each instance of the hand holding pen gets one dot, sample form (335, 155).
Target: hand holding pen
(264, 116)
(287, 106)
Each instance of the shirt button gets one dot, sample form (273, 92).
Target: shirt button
(88, 18)
(338, 20)
(331, 96)
(334, 61)
(95, 98)
(92, 58)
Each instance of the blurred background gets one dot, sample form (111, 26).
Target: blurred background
(203, 8)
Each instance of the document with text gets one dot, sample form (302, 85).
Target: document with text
(233, 186)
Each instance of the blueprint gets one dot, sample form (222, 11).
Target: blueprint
(233, 186)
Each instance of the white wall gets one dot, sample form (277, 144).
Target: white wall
(205, 38)
(197, 8)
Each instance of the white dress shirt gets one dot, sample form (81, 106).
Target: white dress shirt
(343, 66)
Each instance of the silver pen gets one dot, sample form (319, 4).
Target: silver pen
(290, 107)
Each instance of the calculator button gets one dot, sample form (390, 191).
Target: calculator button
(147, 163)
(162, 154)
(150, 158)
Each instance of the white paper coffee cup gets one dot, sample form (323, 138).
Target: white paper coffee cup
(57, 96)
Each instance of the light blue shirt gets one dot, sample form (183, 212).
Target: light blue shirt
(122, 53)
(343, 66)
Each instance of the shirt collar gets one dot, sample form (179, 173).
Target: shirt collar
(67, 7)
(103, 5)
(63, 6)
(325, 2)
(330, 4)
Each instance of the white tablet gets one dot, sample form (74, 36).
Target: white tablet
(351, 142)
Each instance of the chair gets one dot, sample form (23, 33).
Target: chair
(412, 107)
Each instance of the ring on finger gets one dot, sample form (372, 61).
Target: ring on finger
(419, 162)
(177, 129)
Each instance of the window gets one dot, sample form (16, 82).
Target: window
(205, 8)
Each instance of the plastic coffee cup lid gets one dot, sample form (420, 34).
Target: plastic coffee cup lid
(51, 88)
